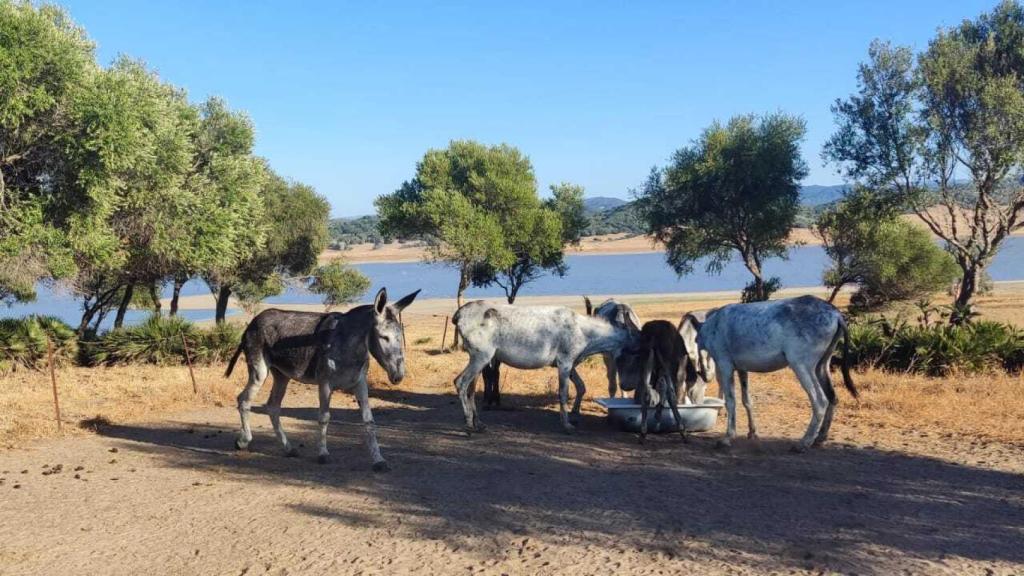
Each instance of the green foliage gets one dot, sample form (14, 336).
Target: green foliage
(887, 257)
(295, 236)
(158, 340)
(45, 61)
(23, 342)
(567, 201)
(734, 190)
(339, 283)
(348, 231)
(754, 293)
(937, 349)
(917, 127)
(479, 206)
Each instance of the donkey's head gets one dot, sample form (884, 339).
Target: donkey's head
(387, 338)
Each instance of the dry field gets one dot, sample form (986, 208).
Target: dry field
(922, 476)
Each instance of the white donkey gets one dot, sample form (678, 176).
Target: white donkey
(532, 337)
(696, 380)
(767, 336)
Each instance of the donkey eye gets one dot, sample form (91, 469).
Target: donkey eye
(386, 338)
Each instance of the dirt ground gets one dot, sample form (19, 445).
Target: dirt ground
(921, 476)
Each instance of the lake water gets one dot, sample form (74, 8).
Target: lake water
(599, 274)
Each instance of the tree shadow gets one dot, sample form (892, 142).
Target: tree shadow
(836, 506)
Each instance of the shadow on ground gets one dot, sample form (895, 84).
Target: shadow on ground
(841, 507)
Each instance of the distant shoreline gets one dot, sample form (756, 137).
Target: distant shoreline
(609, 244)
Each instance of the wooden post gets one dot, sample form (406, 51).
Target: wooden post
(188, 360)
(53, 380)
(445, 335)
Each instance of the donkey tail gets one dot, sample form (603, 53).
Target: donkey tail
(238, 352)
(847, 380)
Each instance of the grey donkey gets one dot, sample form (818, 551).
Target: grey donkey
(801, 333)
(614, 311)
(531, 337)
(331, 351)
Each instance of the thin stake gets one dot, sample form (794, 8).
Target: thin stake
(188, 360)
(53, 380)
(445, 335)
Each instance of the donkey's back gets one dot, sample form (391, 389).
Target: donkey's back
(285, 340)
(521, 336)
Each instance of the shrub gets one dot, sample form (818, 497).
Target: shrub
(939, 349)
(23, 342)
(158, 340)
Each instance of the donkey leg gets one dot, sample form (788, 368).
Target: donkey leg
(257, 374)
(825, 380)
(747, 405)
(818, 404)
(609, 367)
(363, 398)
(724, 371)
(563, 398)
(274, 411)
(581, 390)
(324, 418)
(464, 384)
(673, 402)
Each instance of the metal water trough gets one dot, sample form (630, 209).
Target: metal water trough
(624, 413)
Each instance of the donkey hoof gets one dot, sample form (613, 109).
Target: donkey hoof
(381, 466)
(643, 439)
(239, 445)
(291, 452)
(723, 444)
(798, 448)
(569, 429)
(322, 459)
(753, 436)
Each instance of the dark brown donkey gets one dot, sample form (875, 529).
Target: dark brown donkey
(330, 350)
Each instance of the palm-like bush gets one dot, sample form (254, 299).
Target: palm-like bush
(23, 342)
(937, 349)
(158, 340)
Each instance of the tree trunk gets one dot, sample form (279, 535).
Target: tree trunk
(463, 284)
(969, 285)
(87, 315)
(753, 264)
(154, 294)
(129, 290)
(835, 292)
(178, 283)
(223, 295)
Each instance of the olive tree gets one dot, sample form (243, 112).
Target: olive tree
(945, 134)
(734, 191)
(45, 60)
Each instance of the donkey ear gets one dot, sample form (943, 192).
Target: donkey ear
(590, 307)
(380, 300)
(405, 301)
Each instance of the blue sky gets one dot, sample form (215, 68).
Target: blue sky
(348, 96)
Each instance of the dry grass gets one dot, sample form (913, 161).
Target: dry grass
(116, 395)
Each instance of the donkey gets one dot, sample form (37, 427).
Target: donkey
(329, 350)
(658, 356)
(531, 337)
(767, 336)
(696, 383)
(617, 312)
(610, 310)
